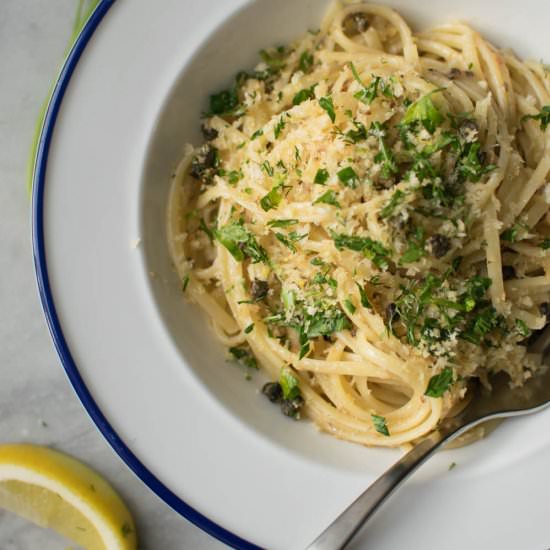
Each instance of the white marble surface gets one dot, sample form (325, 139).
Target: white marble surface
(37, 403)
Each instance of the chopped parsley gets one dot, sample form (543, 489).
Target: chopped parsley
(380, 425)
(249, 328)
(321, 176)
(224, 103)
(413, 253)
(470, 166)
(543, 117)
(234, 177)
(282, 223)
(290, 239)
(395, 200)
(322, 279)
(244, 356)
(425, 112)
(279, 127)
(415, 249)
(240, 242)
(185, 283)
(292, 400)
(304, 95)
(272, 199)
(306, 62)
(373, 250)
(267, 168)
(385, 155)
(350, 306)
(522, 328)
(440, 383)
(511, 234)
(203, 227)
(486, 320)
(328, 198)
(430, 317)
(274, 58)
(358, 134)
(317, 261)
(364, 297)
(256, 134)
(289, 384)
(310, 319)
(545, 245)
(369, 93)
(348, 177)
(327, 104)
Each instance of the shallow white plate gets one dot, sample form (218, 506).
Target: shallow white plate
(144, 363)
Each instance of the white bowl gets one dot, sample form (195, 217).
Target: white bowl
(144, 363)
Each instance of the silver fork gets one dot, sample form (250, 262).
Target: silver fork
(501, 402)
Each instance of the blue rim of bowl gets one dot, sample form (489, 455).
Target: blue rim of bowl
(40, 263)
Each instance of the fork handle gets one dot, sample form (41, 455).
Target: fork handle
(340, 532)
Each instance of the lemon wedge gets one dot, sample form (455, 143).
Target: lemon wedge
(54, 490)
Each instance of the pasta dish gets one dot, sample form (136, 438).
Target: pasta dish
(367, 221)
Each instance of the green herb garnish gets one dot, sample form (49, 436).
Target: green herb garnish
(234, 177)
(328, 198)
(350, 306)
(310, 320)
(224, 103)
(391, 205)
(240, 242)
(267, 168)
(203, 227)
(385, 155)
(290, 239)
(424, 111)
(415, 249)
(440, 383)
(321, 176)
(244, 356)
(256, 134)
(369, 93)
(274, 58)
(360, 133)
(380, 425)
(374, 250)
(327, 104)
(348, 177)
(185, 283)
(304, 95)
(289, 384)
(486, 320)
(272, 199)
(364, 297)
(522, 328)
(306, 62)
(282, 223)
(511, 234)
(279, 127)
(470, 166)
(543, 117)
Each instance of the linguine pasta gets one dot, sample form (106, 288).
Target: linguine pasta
(368, 221)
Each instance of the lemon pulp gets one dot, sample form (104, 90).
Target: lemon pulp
(56, 491)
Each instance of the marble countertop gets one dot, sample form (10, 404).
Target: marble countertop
(37, 403)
